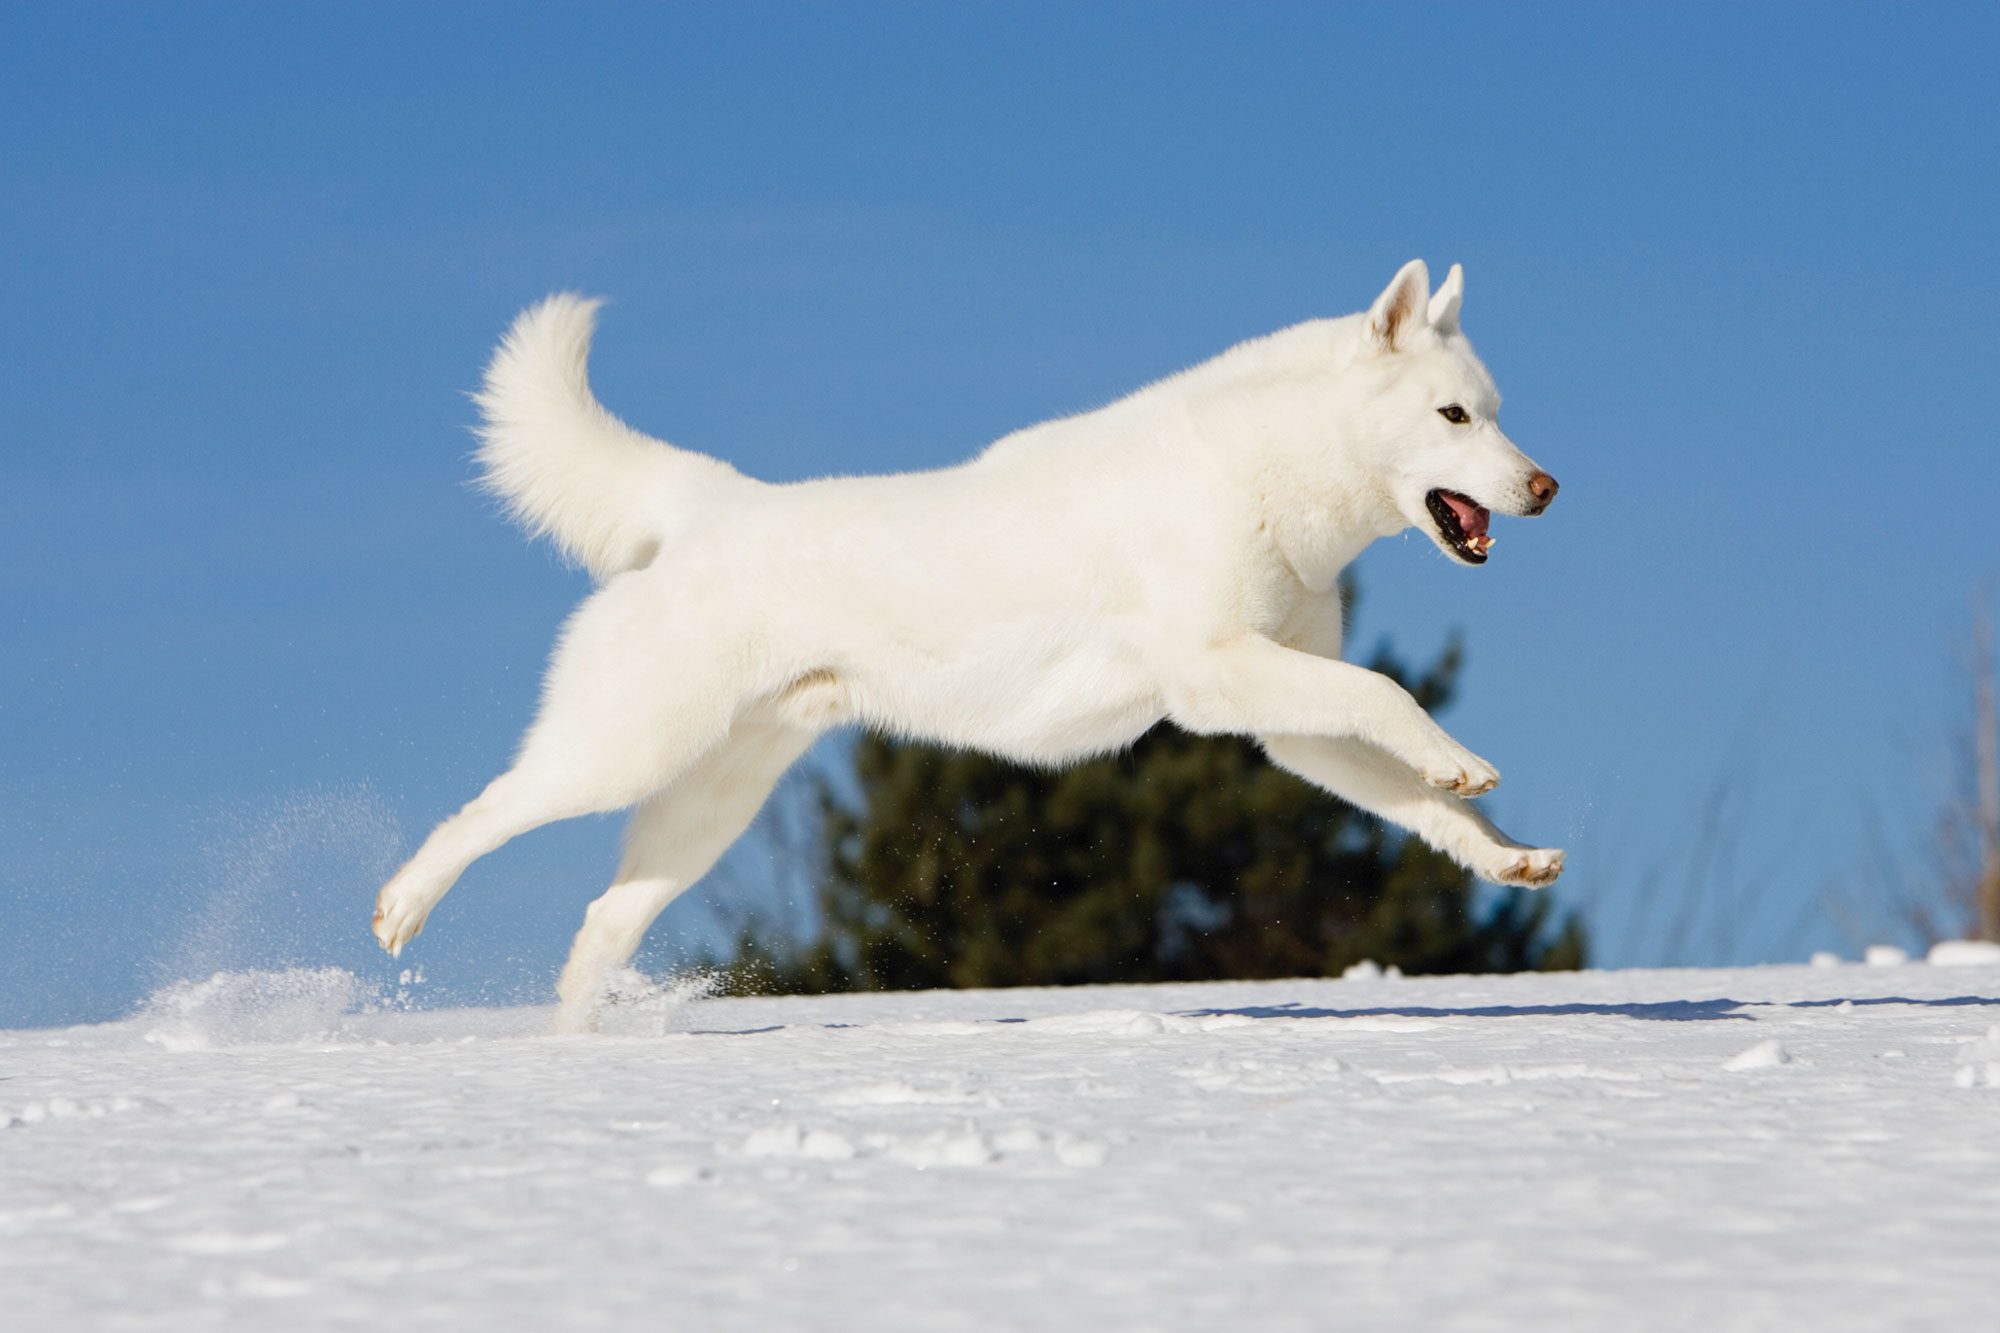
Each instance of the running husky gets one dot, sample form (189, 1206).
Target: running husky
(1171, 556)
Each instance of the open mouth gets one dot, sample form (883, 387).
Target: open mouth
(1461, 521)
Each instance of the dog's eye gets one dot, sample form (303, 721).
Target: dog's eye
(1453, 413)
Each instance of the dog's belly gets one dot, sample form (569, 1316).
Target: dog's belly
(1061, 703)
(1056, 731)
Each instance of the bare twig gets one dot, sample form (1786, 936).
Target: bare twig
(1986, 746)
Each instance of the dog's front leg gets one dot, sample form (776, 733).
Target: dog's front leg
(1253, 686)
(1364, 776)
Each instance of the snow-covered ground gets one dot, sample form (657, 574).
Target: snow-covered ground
(1769, 1148)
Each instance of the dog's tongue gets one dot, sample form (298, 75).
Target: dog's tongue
(1471, 517)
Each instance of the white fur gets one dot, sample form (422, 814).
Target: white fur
(1171, 556)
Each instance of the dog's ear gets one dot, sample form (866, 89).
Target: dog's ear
(1445, 301)
(1399, 311)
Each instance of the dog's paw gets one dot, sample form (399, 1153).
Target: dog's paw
(573, 1019)
(1529, 868)
(1466, 774)
(399, 917)
(579, 994)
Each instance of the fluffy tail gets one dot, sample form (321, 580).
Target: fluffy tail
(566, 468)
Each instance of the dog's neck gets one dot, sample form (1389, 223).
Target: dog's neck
(1320, 535)
(1303, 469)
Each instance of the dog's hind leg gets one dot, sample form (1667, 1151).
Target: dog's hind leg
(625, 711)
(1370, 778)
(670, 843)
(525, 797)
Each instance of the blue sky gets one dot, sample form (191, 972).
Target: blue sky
(1733, 267)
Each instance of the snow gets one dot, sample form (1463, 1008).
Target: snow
(1799, 1147)
(1767, 1054)
(1963, 953)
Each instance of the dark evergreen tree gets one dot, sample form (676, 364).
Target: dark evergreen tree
(1185, 858)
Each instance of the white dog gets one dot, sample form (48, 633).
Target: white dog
(1171, 556)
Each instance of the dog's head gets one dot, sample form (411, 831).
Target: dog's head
(1431, 425)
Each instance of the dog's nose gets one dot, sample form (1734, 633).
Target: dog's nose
(1543, 487)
